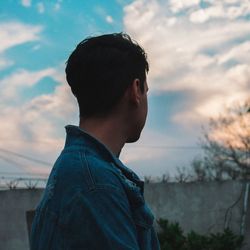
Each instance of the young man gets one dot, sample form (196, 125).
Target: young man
(92, 201)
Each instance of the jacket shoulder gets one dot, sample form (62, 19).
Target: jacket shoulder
(87, 171)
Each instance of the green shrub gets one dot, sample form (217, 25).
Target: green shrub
(196, 241)
(171, 237)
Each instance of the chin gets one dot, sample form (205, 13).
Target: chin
(133, 138)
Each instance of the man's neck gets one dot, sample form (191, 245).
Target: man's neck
(109, 132)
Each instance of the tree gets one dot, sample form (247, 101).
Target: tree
(183, 175)
(226, 144)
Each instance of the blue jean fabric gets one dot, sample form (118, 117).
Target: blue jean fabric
(92, 201)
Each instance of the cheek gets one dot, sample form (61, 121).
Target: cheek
(146, 107)
(144, 113)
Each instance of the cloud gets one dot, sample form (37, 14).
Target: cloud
(228, 10)
(180, 5)
(21, 79)
(40, 7)
(109, 19)
(50, 104)
(156, 153)
(26, 3)
(57, 6)
(34, 127)
(31, 126)
(15, 33)
(102, 12)
(239, 53)
(207, 58)
(144, 148)
(4, 63)
(199, 49)
(203, 15)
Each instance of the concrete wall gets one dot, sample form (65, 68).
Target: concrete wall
(13, 226)
(198, 206)
(203, 207)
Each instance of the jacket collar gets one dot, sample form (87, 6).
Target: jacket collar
(76, 135)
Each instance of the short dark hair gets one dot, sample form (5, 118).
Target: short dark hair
(101, 68)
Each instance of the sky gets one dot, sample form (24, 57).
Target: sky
(198, 52)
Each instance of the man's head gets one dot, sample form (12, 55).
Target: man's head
(100, 70)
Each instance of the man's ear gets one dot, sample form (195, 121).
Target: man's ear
(135, 91)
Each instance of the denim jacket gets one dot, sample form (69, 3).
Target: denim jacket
(92, 201)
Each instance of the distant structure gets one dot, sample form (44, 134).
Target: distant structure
(205, 207)
(9, 181)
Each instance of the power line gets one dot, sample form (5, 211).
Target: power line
(11, 161)
(22, 174)
(128, 146)
(30, 141)
(50, 164)
(18, 164)
(26, 157)
(165, 146)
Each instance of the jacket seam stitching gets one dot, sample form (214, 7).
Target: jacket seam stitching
(83, 159)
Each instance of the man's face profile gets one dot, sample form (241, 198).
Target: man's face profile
(140, 115)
